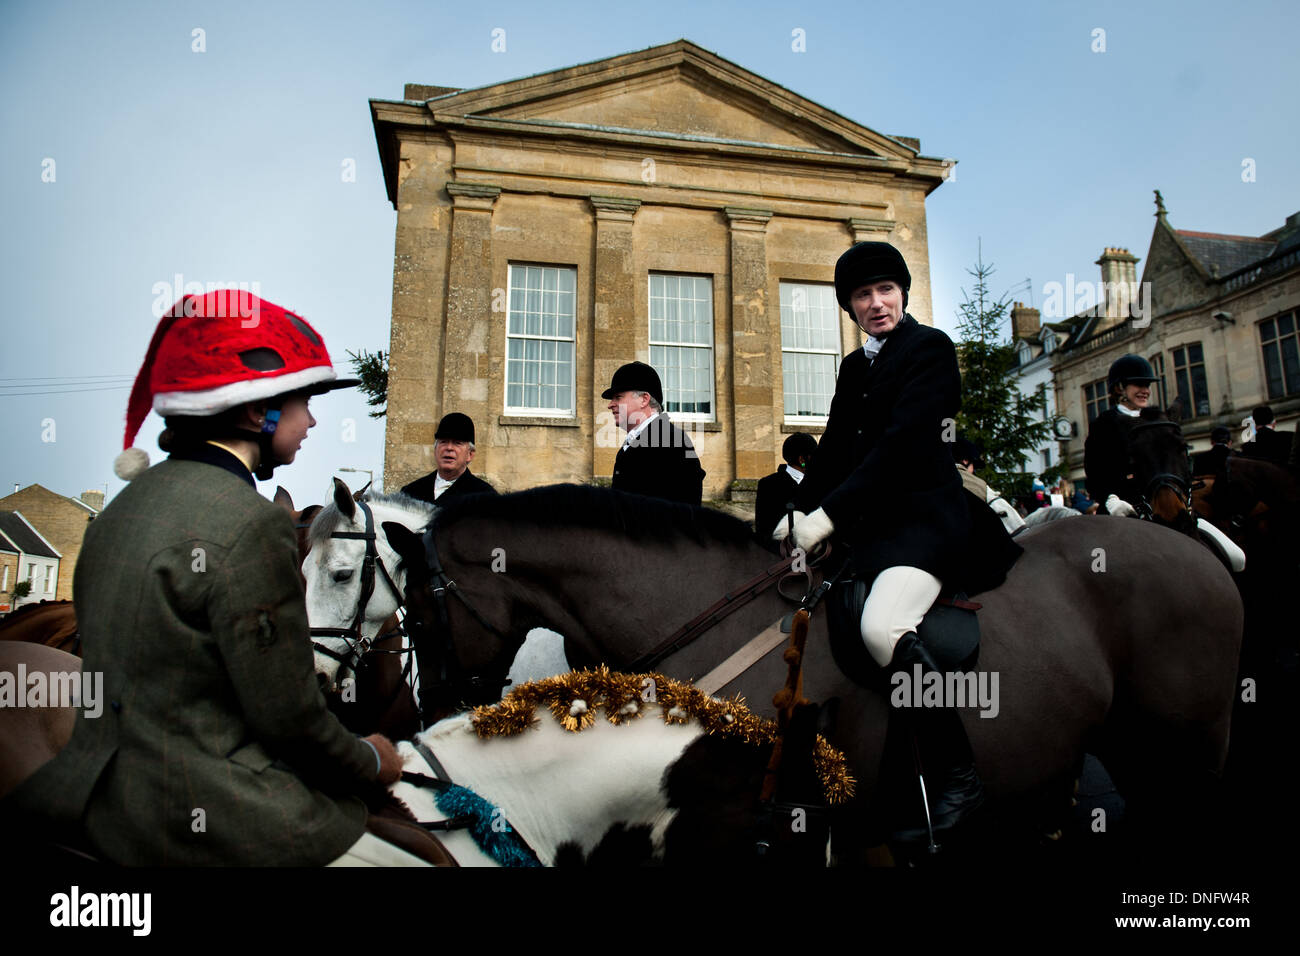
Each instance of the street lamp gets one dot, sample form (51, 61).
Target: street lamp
(366, 470)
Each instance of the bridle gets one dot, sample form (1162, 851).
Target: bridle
(1175, 483)
(358, 646)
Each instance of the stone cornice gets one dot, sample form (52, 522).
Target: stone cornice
(865, 229)
(476, 196)
(745, 219)
(614, 208)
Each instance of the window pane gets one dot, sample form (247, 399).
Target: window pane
(1273, 370)
(1285, 324)
(1195, 354)
(1291, 365)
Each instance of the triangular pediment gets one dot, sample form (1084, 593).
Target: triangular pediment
(678, 91)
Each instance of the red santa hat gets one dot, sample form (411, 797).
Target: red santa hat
(213, 352)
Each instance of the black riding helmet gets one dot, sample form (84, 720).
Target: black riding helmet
(1130, 370)
(869, 262)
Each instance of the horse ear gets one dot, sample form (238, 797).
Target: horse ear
(343, 499)
(404, 541)
(358, 495)
(283, 499)
(1175, 410)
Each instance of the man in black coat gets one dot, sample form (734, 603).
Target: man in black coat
(657, 458)
(1211, 462)
(1269, 445)
(778, 489)
(883, 481)
(453, 450)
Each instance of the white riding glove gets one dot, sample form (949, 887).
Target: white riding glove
(781, 531)
(812, 530)
(1119, 507)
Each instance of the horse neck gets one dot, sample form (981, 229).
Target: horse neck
(614, 596)
(557, 786)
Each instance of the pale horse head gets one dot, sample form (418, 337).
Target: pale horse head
(334, 569)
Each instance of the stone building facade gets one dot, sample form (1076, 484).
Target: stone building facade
(1220, 330)
(666, 206)
(60, 520)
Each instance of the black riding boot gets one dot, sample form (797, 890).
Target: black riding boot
(952, 784)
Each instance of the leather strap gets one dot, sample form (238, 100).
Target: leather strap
(754, 650)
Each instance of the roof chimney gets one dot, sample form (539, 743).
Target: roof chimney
(1024, 321)
(1119, 290)
(94, 498)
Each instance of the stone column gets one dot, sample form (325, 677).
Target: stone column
(616, 333)
(466, 368)
(755, 346)
(870, 230)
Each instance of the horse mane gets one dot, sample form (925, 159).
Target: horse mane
(574, 698)
(602, 509)
(323, 524)
(33, 607)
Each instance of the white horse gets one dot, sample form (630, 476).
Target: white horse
(334, 568)
(605, 756)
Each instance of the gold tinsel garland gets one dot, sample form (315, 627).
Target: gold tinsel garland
(573, 698)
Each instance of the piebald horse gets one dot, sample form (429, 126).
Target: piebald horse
(1091, 638)
(591, 767)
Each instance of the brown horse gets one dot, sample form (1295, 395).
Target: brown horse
(1091, 640)
(53, 624)
(32, 735)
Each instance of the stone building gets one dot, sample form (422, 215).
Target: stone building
(665, 205)
(60, 520)
(1217, 319)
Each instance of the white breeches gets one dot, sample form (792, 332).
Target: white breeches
(898, 600)
(372, 851)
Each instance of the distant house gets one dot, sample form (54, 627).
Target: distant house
(25, 555)
(1035, 343)
(60, 520)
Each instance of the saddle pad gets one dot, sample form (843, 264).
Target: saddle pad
(951, 634)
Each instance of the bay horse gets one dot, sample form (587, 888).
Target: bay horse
(53, 624)
(1095, 646)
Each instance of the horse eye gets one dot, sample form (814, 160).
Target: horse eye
(344, 575)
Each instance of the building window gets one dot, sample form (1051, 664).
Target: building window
(1047, 459)
(1096, 398)
(1277, 337)
(539, 341)
(1158, 366)
(1023, 354)
(31, 575)
(4, 588)
(1049, 343)
(681, 343)
(1189, 379)
(810, 349)
(49, 579)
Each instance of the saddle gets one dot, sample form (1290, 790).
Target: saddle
(950, 631)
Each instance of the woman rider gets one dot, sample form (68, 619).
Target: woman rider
(883, 481)
(1105, 452)
(216, 746)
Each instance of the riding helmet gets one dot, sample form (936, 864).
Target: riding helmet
(869, 262)
(1130, 370)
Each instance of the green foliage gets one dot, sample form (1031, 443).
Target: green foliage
(994, 415)
(372, 369)
(20, 591)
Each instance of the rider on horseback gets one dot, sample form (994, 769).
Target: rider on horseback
(217, 747)
(883, 481)
(1105, 452)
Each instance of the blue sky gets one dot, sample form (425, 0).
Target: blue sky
(226, 165)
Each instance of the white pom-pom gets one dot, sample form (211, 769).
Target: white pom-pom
(628, 708)
(578, 708)
(678, 713)
(131, 464)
